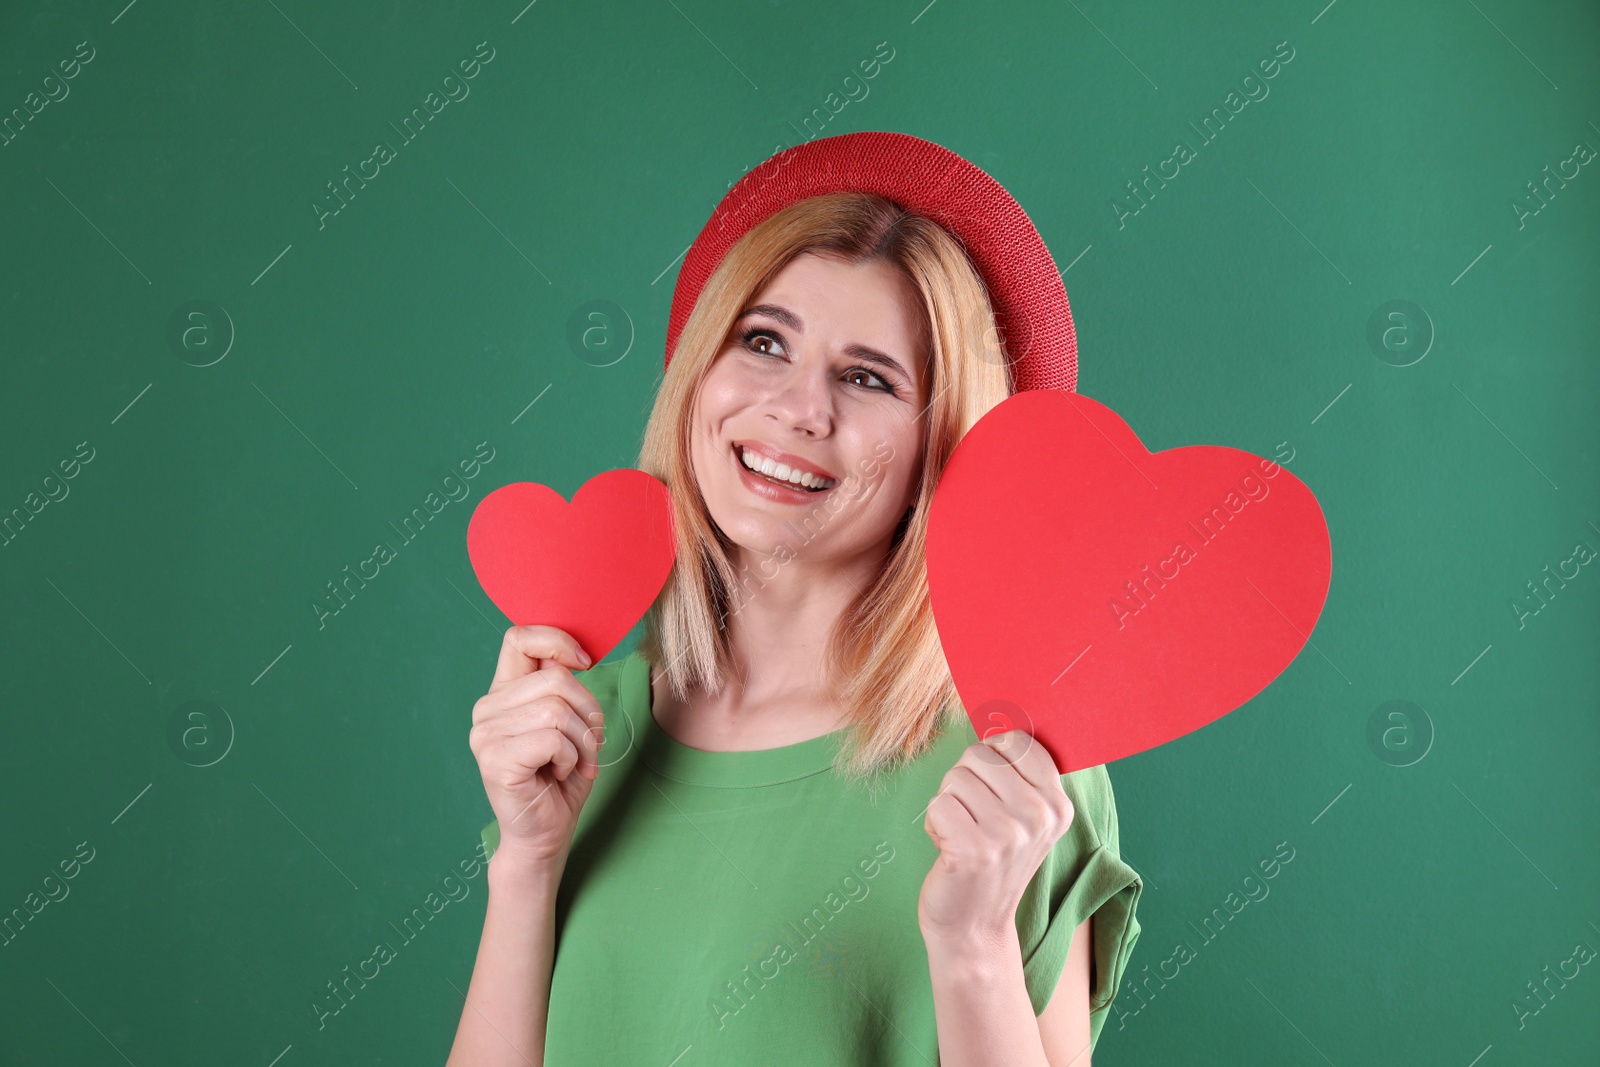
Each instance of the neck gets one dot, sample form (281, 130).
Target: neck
(778, 628)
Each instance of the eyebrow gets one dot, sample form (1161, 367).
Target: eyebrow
(855, 351)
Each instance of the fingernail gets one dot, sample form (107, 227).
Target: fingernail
(583, 658)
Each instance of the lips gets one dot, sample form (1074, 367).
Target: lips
(772, 487)
(787, 459)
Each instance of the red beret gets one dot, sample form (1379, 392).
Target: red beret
(1029, 298)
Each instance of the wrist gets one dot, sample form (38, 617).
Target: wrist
(975, 947)
(511, 870)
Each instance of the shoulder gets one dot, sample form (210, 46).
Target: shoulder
(1094, 803)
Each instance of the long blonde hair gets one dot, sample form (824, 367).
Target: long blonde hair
(883, 655)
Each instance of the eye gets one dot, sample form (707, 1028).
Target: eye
(883, 383)
(752, 337)
(765, 342)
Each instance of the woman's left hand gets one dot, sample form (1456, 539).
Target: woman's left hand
(996, 816)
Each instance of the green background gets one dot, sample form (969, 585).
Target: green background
(367, 356)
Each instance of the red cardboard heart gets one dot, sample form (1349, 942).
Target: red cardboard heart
(592, 567)
(1106, 599)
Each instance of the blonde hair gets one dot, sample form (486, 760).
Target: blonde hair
(883, 655)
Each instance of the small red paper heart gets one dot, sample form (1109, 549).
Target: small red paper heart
(1105, 599)
(592, 567)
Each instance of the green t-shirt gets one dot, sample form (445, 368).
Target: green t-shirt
(755, 908)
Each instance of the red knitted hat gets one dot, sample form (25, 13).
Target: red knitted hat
(1029, 299)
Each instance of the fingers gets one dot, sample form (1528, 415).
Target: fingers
(963, 805)
(547, 731)
(536, 712)
(976, 795)
(999, 774)
(525, 648)
(552, 681)
(583, 738)
(1029, 782)
(946, 817)
(545, 747)
(1030, 758)
(989, 794)
(1038, 806)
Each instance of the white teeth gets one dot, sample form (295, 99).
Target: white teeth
(773, 469)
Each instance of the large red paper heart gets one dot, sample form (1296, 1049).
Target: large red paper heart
(592, 567)
(1106, 599)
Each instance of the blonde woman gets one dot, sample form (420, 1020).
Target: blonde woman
(772, 835)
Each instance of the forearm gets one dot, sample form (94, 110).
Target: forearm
(508, 1000)
(981, 1002)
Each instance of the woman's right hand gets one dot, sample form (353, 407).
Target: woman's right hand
(536, 735)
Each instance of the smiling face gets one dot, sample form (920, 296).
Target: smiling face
(821, 384)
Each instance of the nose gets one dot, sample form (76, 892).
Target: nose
(803, 401)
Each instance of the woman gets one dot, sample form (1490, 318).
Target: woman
(794, 848)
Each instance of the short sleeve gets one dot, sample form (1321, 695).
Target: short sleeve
(1083, 877)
